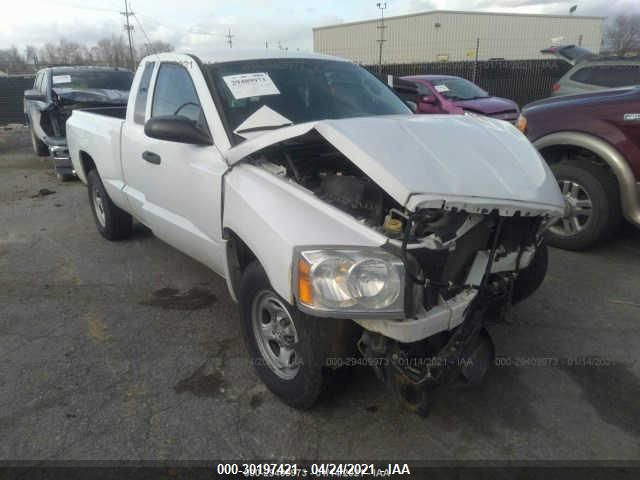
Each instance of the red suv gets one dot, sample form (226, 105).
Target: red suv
(592, 144)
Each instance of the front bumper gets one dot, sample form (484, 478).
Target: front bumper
(445, 316)
(448, 314)
(59, 152)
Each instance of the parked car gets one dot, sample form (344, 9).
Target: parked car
(591, 72)
(448, 94)
(337, 217)
(592, 143)
(56, 92)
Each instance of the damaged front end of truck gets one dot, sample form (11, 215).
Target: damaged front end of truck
(461, 204)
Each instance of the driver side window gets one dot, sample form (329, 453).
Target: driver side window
(175, 94)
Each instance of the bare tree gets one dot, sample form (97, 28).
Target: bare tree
(623, 35)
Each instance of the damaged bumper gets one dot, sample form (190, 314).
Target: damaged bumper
(59, 152)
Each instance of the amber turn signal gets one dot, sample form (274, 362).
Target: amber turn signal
(521, 124)
(305, 291)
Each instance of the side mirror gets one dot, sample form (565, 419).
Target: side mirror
(34, 94)
(176, 128)
(430, 99)
(412, 105)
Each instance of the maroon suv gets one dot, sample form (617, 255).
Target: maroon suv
(592, 144)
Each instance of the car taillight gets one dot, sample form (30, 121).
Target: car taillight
(555, 87)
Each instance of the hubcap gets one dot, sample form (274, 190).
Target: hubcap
(98, 206)
(578, 211)
(275, 334)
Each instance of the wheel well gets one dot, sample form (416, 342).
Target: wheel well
(87, 163)
(555, 154)
(239, 256)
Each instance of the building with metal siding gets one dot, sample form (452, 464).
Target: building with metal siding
(453, 36)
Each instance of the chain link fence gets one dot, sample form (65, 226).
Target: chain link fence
(11, 95)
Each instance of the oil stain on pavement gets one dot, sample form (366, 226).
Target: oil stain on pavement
(172, 299)
(612, 390)
(204, 382)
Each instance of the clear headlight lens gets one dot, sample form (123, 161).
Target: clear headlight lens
(348, 282)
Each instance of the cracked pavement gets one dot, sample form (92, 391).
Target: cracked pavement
(131, 350)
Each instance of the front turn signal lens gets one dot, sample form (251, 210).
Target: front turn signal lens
(305, 289)
(521, 124)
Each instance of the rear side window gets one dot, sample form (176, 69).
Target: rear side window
(608, 75)
(175, 94)
(141, 98)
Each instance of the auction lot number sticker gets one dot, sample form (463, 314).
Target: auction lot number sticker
(248, 85)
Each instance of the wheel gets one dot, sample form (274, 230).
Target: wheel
(39, 147)
(530, 278)
(113, 223)
(286, 346)
(591, 194)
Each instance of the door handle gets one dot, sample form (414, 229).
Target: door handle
(151, 157)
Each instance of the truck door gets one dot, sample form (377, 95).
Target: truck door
(176, 187)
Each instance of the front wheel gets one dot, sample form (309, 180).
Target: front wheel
(593, 210)
(113, 223)
(39, 147)
(286, 346)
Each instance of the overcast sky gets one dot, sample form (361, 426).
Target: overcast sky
(252, 22)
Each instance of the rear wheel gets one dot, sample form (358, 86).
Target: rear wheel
(287, 347)
(113, 223)
(39, 147)
(593, 209)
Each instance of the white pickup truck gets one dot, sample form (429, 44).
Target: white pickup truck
(343, 224)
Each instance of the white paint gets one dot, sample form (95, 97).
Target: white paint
(264, 118)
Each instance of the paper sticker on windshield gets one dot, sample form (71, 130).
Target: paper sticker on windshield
(58, 79)
(250, 85)
(441, 88)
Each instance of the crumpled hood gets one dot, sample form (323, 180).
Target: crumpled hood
(436, 160)
(92, 95)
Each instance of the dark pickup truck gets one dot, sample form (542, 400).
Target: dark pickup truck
(56, 92)
(592, 144)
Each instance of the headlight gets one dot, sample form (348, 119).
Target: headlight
(350, 282)
(521, 123)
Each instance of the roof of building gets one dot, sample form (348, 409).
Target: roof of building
(461, 12)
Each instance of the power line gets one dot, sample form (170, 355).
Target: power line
(150, 48)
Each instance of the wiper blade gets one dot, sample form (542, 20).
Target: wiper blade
(265, 127)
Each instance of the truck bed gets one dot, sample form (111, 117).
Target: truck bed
(93, 134)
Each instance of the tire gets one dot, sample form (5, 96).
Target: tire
(530, 278)
(112, 222)
(39, 147)
(595, 185)
(301, 382)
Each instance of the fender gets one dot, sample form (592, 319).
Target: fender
(272, 216)
(629, 188)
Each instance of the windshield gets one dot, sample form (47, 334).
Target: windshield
(91, 79)
(291, 91)
(457, 88)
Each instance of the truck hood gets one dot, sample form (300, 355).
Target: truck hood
(446, 161)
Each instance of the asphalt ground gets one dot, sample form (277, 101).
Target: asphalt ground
(132, 350)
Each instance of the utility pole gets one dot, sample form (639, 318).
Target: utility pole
(266, 44)
(229, 37)
(475, 63)
(381, 27)
(129, 28)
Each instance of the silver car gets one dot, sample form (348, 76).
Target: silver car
(590, 72)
